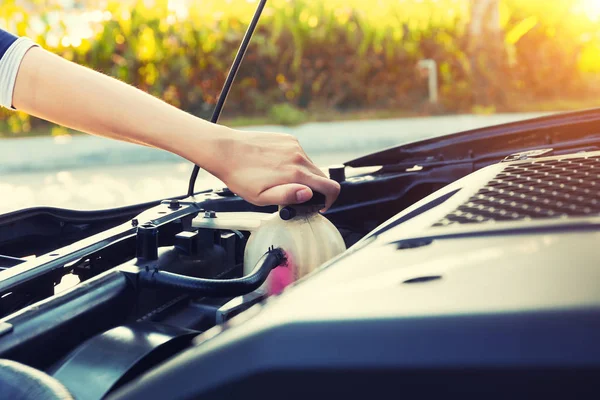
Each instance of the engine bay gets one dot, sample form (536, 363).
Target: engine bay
(455, 267)
(112, 309)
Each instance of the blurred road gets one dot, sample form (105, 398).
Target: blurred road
(87, 172)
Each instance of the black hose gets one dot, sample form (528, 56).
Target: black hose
(22, 382)
(216, 287)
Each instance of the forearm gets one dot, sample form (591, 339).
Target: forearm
(60, 91)
(264, 168)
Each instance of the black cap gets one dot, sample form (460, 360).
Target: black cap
(318, 199)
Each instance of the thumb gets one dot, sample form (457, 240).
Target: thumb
(291, 193)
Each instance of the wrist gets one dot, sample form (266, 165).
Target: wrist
(204, 143)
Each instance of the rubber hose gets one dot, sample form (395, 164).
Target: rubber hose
(216, 287)
(22, 382)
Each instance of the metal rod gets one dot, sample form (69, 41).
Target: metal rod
(229, 80)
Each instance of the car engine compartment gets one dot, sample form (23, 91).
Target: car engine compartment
(110, 311)
(460, 274)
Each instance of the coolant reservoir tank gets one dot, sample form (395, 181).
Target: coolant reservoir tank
(307, 237)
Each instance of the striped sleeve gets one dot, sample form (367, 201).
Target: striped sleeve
(12, 51)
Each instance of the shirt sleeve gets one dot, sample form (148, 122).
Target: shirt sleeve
(12, 51)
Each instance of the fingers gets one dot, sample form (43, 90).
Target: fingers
(319, 181)
(312, 177)
(290, 193)
(294, 193)
(301, 158)
(330, 188)
(316, 170)
(300, 191)
(273, 169)
(304, 160)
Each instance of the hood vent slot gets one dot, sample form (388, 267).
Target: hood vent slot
(548, 188)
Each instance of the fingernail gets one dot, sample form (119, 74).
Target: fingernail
(303, 195)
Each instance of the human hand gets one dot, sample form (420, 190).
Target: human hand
(268, 169)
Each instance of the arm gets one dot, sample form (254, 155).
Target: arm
(263, 168)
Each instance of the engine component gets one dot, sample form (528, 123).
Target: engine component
(215, 287)
(203, 314)
(147, 242)
(116, 354)
(551, 187)
(43, 332)
(8, 261)
(21, 382)
(337, 173)
(307, 238)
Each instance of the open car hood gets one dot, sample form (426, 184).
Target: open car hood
(572, 131)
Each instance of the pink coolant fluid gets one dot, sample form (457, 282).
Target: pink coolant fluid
(282, 276)
(308, 240)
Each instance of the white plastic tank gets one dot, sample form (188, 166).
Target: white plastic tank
(307, 238)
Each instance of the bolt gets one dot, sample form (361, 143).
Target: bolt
(210, 214)
(134, 222)
(174, 204)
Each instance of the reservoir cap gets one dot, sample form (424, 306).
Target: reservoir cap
(318, 199)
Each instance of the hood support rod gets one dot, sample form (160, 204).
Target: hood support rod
(229, 81)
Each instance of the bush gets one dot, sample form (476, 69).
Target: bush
(286, 114)
(313, 55)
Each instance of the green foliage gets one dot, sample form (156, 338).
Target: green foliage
(318, 55)
(286, 114)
